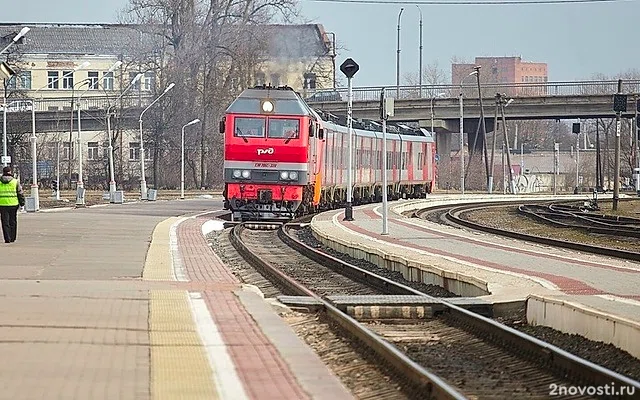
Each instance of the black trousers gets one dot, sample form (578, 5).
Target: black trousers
(9, 216)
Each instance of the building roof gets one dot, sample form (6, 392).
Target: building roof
(287, 41)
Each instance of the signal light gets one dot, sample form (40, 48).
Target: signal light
(620, 102)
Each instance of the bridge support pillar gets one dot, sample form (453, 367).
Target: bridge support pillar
(443, 149)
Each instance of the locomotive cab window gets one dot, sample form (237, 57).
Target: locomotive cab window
(284, 128)
(249, 127)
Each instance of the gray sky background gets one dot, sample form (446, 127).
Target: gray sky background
(576, 40)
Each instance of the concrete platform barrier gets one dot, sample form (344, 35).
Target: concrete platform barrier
(570, 317)
(411, 270)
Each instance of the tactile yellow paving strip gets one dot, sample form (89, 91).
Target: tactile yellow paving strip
(179, 365)
(157, 265)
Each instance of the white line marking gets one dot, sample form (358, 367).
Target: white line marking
(543, 282)
(612, 297)
(225, 377)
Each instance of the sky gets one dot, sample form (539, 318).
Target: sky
(575, 40)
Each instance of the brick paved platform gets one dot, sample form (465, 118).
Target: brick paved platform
(129, 302)
(499, 269)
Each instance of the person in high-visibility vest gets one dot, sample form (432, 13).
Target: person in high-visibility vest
(11, 198)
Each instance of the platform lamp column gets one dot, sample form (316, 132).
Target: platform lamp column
(112, 178)
(349, 69)
(143, 181)
(576, 130)
(5, 73)
(386, 111)
(195, 121)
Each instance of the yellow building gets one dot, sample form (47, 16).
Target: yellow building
(61, 66)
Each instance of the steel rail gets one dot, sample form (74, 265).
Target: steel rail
(423, 382)
(452, 217)
(556, 359)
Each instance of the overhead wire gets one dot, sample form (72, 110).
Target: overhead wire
(468, 2)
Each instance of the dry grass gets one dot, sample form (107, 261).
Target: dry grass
(507, 217)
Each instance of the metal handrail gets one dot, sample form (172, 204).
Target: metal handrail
(519, 89)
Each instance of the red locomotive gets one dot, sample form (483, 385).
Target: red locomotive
(281, 159)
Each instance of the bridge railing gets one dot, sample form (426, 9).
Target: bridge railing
(523, 89)
(86, 103)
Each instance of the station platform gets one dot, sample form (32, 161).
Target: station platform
(129, 302)
(594, 296)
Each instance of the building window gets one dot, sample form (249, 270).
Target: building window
(107, 80)
(134, 151)
(148, 81)
(52, 151)
(92, 151)
(136, 86)
(67, 151)
(67, 79)
(93, 80)
(260, 79)
(52, 79)
(24, 80)
(147, 152)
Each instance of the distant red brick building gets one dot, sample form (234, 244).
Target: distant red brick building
(501, 70)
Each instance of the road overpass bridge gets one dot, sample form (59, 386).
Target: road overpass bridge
(551, 100)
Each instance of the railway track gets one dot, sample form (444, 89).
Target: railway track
(455, 215)
(452, 356)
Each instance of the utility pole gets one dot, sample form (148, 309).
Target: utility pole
(398, 57)
(493, 141)
(556, 151)
(599, 183)
(506, 145)
(619, 106)
(636, 158)
(484, 128)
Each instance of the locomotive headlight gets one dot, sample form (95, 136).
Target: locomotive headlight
(293, 175)
(284, 175)
(246, 174)
(267, 106)
(237, 173)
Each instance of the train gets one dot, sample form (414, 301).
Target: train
(283, 159)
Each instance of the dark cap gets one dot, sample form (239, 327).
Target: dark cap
(6, 171)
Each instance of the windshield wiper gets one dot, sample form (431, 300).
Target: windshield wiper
(291, 137)
(242, 135)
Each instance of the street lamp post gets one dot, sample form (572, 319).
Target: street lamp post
(195, 121)
(420, 63)
(398, 57)
(112, 179)
(5, 73)
(20, 34)
(462, 133)
(349, 69)
(143, 181)
(80, 185)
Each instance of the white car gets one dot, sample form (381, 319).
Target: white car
(17, 106)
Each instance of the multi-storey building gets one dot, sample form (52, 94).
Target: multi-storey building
(61, 67)
(503, 70)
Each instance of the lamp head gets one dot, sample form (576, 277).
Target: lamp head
(441, 94)
(115, 65)
(195, 121)
(20, 34)
(473, 72)
(171, 85)
(83, 65)
(509, 102)
(6, 71)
